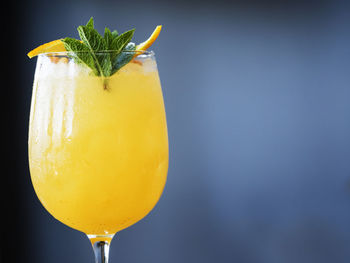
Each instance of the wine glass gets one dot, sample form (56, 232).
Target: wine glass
(98, 147)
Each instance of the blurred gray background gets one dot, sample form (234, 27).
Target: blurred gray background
(257, 99)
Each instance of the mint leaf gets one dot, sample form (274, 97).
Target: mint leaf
(95, 42)
(106, 64)
(124, 57)
(118, 44)
(90, 23)
(91, 38)
(82, 53)
(122, 40)
(108, 37)
(115, 33)
(104, 55)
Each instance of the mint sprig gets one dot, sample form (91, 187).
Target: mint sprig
(102, 54)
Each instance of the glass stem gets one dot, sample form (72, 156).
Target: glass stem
(100, 245)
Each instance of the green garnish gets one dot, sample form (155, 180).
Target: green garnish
(104, 55)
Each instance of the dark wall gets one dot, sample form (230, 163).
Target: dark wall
(257, 97)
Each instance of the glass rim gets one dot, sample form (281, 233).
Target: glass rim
(139, 53)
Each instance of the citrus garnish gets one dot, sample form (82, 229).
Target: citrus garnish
(53, 46)
(92, 46)
(146, 44)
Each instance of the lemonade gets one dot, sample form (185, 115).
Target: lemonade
(98, 158)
